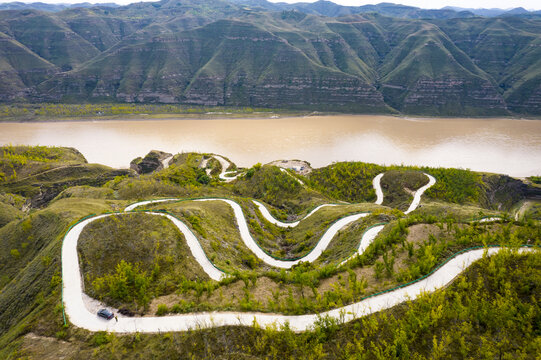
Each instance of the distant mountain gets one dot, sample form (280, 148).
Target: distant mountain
(328, 8)
(242, 54)
(50, 7)
(321, 7)
(479, 12)
(495, 12)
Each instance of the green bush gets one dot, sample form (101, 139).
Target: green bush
(128, 283)
(100, 338)
(162, 310)
(348, 181)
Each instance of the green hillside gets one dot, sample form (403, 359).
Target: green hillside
(47, 36)
(20, 69)
(315, 57)
(142, 264)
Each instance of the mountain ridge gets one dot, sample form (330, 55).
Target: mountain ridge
(223, 53)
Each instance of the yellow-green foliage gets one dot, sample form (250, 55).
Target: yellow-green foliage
(455, 185)
(274, 187)
(127, 284)
(490, 310)
(146, 257)
(348, 181)
(352, 181)
(15, 159)
(72, 110)
(22, 154)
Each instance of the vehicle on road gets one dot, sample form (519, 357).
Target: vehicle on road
(106, 314)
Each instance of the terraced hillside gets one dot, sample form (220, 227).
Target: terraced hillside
(262, 55)
(264, 262)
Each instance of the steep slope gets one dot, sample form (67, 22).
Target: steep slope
(20, 69)
(47, 36)
(239, 54)
(364, 37)
(507, 49)
(523, 83)
(491, 43)
(426, 73)
(224, 63)
(99, 27)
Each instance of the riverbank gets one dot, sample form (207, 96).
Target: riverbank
(102, 112)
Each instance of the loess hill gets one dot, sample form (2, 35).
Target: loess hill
(141, 264)
(241, 53)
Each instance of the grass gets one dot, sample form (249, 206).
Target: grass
(272, 186)
(67, 111)
(19, 162)
(464, 318)
(22, 240)
(398, 187)
(9, 213)
(292, 243)
(352, 182)
(124, 245)
(214, 224)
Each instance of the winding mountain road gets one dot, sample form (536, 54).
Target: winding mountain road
(80, 316)
(225, 175)
(267, 215)
(376, 183)
(75, 301)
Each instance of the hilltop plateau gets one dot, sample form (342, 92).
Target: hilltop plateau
(199, 258)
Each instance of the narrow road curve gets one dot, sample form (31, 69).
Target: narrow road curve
(268, 216)
(366, 239)
(285, 264)
(165, 162)
(379, 193)
(376, 183)
(418, 193)
(225, 175)
(249, 241)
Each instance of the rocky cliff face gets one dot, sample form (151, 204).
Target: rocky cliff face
(527, 101)
(153, 161)
(453, 96)
(501, 192)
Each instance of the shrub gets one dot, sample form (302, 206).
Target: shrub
(100, 338)
(162, 310)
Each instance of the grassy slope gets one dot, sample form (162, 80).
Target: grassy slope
(151, 243)
(20, 69)
(35, 275)
(49, 36)
(398, 187)
(408, 248)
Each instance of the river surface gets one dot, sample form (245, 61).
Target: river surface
(508, 146)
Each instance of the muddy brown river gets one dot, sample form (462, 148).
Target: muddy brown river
(508, 146)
